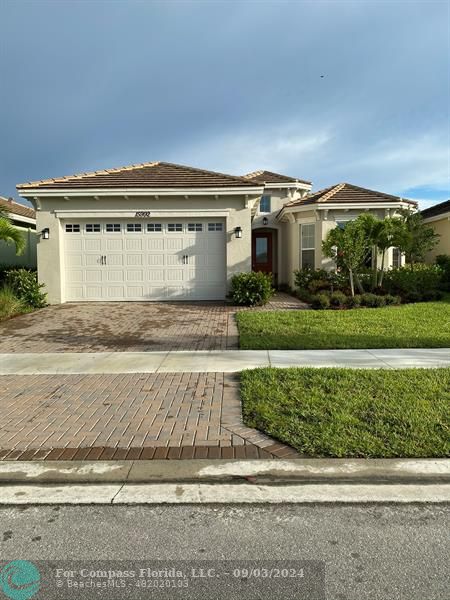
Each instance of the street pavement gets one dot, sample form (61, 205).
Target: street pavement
(382, 552)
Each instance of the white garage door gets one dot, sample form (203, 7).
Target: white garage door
(165, 259)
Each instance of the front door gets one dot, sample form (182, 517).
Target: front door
(262, 252)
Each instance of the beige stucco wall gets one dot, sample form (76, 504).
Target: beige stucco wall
(8, 254)
(50, 255)
(442, 228)
(284, 238)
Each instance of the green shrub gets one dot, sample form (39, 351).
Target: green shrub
(251, 289)
(338, 299)
(443, 262)
(354, 301)
(10, 305)
(413, 283)
(306, 279)
(25, 286)
(318, 285)
(372, 300)
(392, 300)
(320, 302)
(4, 270)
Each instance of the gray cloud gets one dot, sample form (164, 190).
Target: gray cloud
(232, 86)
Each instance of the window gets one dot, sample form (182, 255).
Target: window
(264, 204)
(396, 258)
(307, 255)
(134, 227)
(93, 228)
(113, 227)
(71, 228)
(262, 249)
(172, 227)
(195, 227)
(154, 227)
(215, 226)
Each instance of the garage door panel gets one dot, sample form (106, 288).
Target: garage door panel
(75, 276)
(134, 275)
(155, 243)
(134, 243)
(73, 244)
(114, 245)
(115, 260)
(91, 245)
(94, 292)
(157, 275)
(133, 260)
(155, 260)
(115, 292)
(171, 243)
(115, 276)
(145, 263)
(174, 274)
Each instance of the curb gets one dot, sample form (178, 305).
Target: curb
(276, 471)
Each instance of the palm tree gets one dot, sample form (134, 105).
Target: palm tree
(9, 234)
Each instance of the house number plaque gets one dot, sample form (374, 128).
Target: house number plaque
(143, 213)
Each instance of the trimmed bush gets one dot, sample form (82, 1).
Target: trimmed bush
(25, 286)
(251, 289)
(338, 299)
(391, 300)
(372, 300)
(320, 302)
(305, 280)
(414, 283)
(443, 262)
(354, 301)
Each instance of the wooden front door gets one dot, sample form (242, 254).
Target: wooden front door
(262, 252)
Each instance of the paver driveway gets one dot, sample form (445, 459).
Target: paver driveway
(129, 326)
(138, 416)
(121, 327)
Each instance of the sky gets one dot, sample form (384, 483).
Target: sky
(327, 91)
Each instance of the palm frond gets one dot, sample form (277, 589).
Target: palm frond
(11, 235)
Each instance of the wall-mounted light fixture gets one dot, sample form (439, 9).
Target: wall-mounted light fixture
(265, 221)
(238, 232)
(45, 233)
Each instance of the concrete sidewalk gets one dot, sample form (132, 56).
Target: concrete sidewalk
(227, 361)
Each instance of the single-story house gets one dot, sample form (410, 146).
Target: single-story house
(438, 217)
(24, 219)
(161, 231)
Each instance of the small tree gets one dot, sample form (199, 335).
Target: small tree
(348, 247)
(413, 237)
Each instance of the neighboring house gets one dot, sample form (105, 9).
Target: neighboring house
(438, 217)
(160, 231)
(24, 219)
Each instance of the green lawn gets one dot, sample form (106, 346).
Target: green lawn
(351, 413)
(421, 325)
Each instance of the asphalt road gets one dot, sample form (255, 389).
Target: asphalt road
(370, 552)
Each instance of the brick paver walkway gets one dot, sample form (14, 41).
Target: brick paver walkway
(139, 416)
(129, 327)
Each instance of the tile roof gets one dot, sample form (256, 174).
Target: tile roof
(145, 175)
(436, 210)
(17, 209)
(269, 177)
(346, 193)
